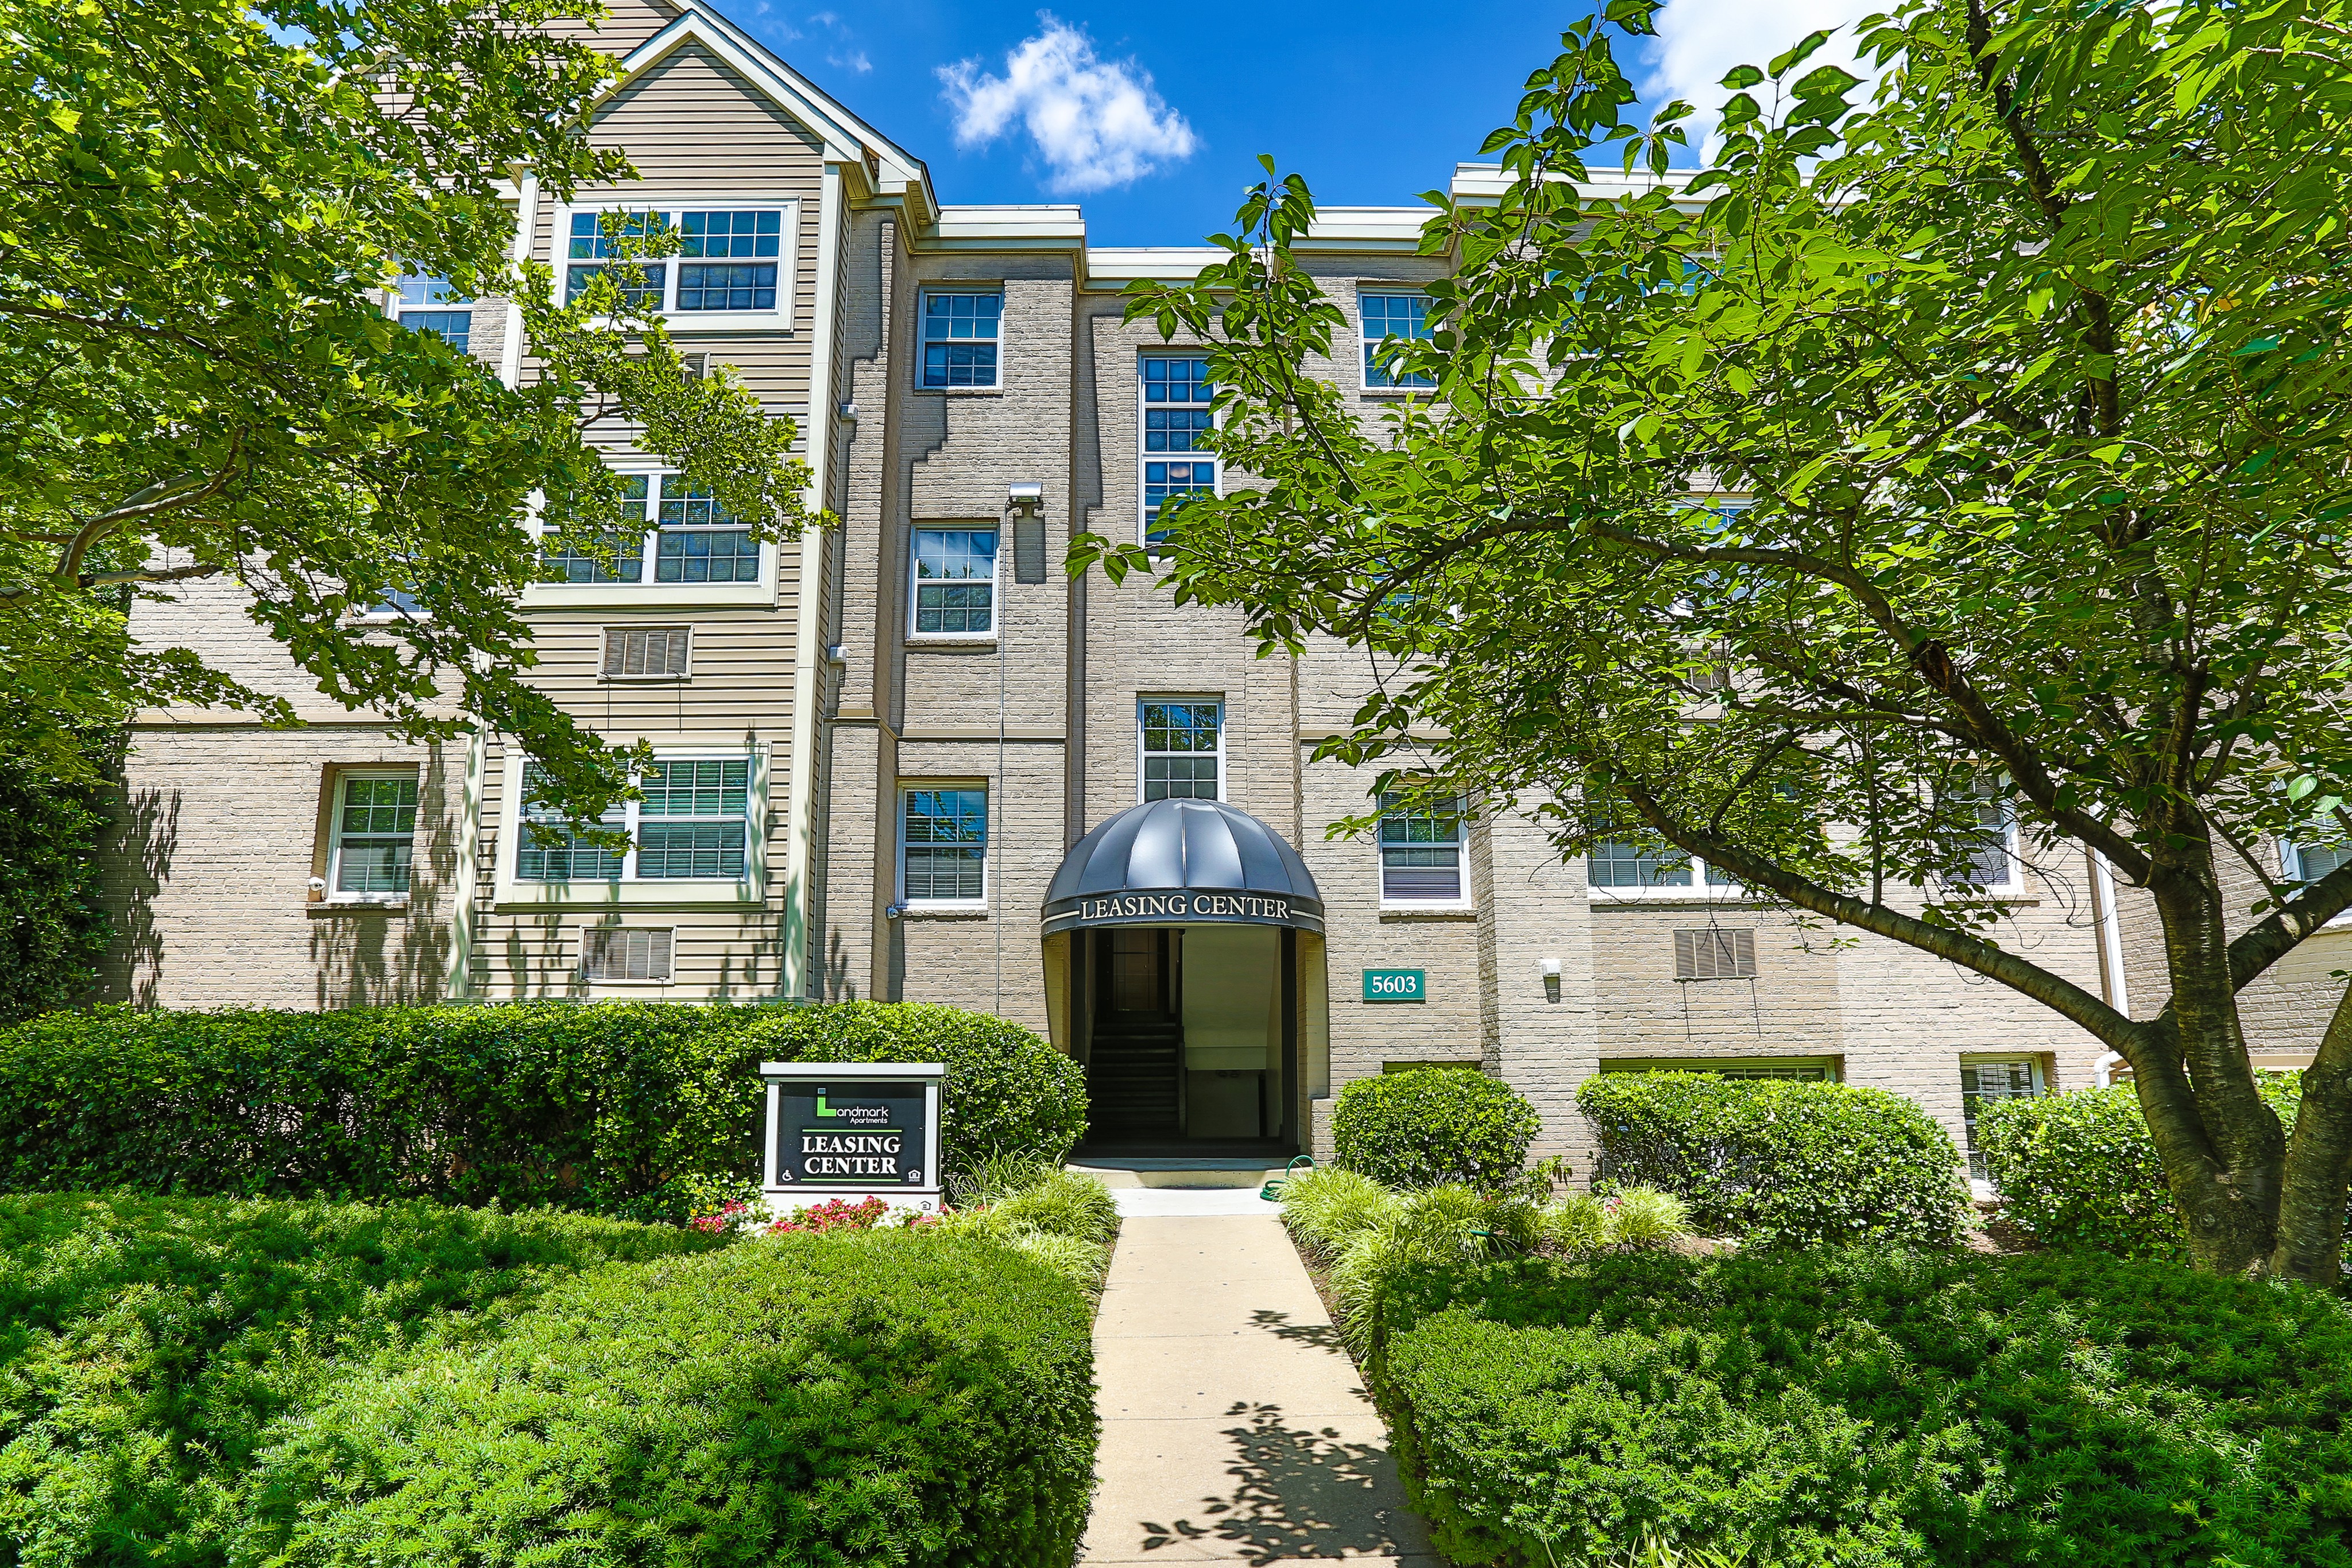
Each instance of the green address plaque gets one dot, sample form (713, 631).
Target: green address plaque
(1396, 986)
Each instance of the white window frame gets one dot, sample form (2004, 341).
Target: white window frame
(673, 207)
(513, 892)
(1981, 1186)
(1699, 890)
(987, 843)
(341, 778)
(646, 592)
(2014, 885)
(1143, 455)
(2291, 869)
(1365, 341)
(1143, 757)
(1003, 336)
(1461, 865)
(995, 582)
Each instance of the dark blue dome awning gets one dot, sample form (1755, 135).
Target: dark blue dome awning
(1184, 862)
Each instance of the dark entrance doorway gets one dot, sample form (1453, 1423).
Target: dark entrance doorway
(1153, 1087)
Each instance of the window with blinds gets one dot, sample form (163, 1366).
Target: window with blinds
(645, 652)
(1714, 952)
(626, 955)
(1982, 1083)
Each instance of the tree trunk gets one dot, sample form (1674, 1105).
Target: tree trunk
(2319, 1163)
(2221, 1146)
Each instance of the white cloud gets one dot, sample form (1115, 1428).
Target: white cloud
(855, 60)
(1097, 123)
(1699, 41)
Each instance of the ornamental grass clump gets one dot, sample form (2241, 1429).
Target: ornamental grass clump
(1061, 1219)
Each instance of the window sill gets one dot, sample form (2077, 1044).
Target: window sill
(944, 912)
(1429, 911)
(666, 596)
(1397, 393)
(952, 644)
(1667, 895)
(520, 897)
(337, 907)
(959, 392)
(644, 680)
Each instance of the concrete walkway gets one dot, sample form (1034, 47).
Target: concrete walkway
(1235, 1428)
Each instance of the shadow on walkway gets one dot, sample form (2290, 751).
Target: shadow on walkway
(1298, 1494)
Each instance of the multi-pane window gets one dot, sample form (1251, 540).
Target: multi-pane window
(728, 261)
(961, 334)
(955, 582)
(547, 849)
(2308, 863)
(1421, 851)
(1989, 827)
(1183, 750)
(693, 824)
(428, 305)
(1983, 1082)
(1177, 418)
(943, 845)
(693, 820)
(1637, 862)
(374, 833)
(592, 249)
(1389, 316)
(692, 538)
(622, 558)
(701, 540)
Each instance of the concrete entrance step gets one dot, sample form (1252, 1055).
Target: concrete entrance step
(1116, 1172)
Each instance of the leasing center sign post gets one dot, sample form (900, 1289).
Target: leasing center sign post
(853, 1130)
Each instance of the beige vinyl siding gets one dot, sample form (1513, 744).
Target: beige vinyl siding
(693, 126)
(741, 673)
(626, 25)
(718, 953)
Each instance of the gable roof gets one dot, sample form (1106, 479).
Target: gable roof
(888, 169)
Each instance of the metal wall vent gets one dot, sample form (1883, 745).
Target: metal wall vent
(644, 653)
(1714, 952)
(626, 955)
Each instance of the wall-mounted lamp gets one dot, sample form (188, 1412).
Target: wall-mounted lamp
(318, 890)
(849, 411)
(1550, 969)
(837, 654)
(1025, 498)
(892, 912)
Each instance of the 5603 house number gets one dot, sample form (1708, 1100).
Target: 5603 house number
(1396, 986)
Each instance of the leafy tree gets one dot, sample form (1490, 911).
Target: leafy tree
(2028, 378)
(53, 924)
(206, 201)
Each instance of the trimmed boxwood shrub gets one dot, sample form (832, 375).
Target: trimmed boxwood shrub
(1008, 1093)
(1780, 1163)
(614, 1107)
(2079, 1169)
(881, 1396)
(1427, 1125)
(146, 1342)
(1859, 1407)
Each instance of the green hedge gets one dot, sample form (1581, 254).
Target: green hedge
(1009, 1095)
(146, 1342)
(2079, 1169)
(1425, 1126)
(611, 1107)
(907, 1397)
(1779, 1163)
(1862, 1408)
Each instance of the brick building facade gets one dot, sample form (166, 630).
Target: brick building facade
(878, 743)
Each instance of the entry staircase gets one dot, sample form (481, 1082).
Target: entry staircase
(1131, 1079)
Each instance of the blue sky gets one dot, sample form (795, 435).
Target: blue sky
(1152, 117)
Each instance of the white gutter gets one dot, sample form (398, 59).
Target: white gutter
(816, 435)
